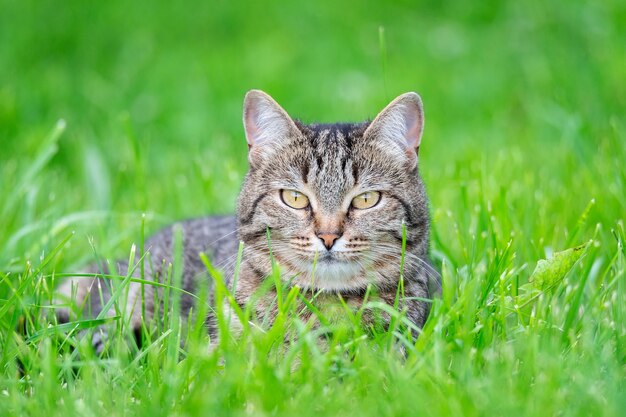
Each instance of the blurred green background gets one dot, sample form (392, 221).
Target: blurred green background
(524, 109)
(523, 155)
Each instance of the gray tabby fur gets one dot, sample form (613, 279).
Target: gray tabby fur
(331, 164)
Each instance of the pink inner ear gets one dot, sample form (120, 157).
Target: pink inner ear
(414, 124)
(251, 121)
(251, 130)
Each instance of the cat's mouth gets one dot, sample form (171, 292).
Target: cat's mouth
(333, 258)
(328, 257)
(338, 261)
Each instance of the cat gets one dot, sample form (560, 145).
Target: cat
(333, 200)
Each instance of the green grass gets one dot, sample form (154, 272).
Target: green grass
(523, 157)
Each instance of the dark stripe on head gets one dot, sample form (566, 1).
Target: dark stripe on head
(355, 173)
(305, 171)
(344, 162)
(320, 163)
(348, 138)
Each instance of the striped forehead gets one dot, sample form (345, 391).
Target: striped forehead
(331, 168)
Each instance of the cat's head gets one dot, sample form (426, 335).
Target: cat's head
(334, 196)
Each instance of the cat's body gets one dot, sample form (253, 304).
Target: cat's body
(334, 200)
(214, 236)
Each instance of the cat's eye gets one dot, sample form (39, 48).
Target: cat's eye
(294, 199)
(366, 200)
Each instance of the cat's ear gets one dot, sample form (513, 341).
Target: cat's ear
(267, 125)
(401, 122)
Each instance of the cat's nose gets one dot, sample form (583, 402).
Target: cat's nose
(328, 239)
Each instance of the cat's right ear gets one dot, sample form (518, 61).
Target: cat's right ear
(267, 125)
(401, 123)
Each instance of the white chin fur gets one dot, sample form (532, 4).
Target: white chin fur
(335, 276)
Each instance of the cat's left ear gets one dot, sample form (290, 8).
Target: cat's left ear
(401, 122)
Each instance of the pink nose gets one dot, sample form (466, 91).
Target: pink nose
(328, 239)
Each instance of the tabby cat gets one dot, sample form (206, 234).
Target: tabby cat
(333, 199)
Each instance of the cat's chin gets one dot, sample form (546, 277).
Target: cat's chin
(332, 274)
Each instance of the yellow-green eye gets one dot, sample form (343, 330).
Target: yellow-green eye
(366, 200)
(294, 199)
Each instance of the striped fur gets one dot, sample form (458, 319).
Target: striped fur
(330, 164)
